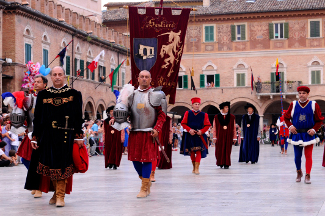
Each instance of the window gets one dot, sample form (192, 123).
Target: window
(315, 28)
(28, 53)
(82, 68)
(45, 57)
(209, 80)
(241, 79)
(182, 82)
(209, 33)
(67, 64)
(275, 82)
(88, 71)
(76, 66)
(279, 30)
(238, 32)
(316, 77)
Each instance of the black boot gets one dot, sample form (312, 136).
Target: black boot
(110, 166)
(226, 167)
(114, 167)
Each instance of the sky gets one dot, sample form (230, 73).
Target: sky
(106, 1)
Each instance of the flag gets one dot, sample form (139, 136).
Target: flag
(94, 64)
(277, 66)
(113, 76)
(252, 80)
(62, 53)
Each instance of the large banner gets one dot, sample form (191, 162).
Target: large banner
(157, 44)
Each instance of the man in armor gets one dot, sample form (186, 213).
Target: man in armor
(147, 108)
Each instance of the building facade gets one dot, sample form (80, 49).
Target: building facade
(38, 31)
(228, 41)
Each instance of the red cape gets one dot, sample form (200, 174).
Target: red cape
(113, 146)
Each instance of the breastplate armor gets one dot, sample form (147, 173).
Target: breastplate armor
(143, 115)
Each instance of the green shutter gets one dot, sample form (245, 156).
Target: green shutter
(286, 30)
(238, 79)
(104, 72)
(28, 53)
(75, 66)
(92, 75)
(314, 29)
(217, 80)
(185, 81)
(243, 32)
(212, 33)
(202, 81)
(87, 70)
(45, 57)
(271, 30)
(207, 29)
(273, 79)
(242, 79)
(82, 65)
(67, 59)
(318, 77)
(233, 33)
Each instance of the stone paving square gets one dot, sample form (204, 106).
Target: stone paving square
(262, 189)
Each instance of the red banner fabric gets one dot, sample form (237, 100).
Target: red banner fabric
(157, 44)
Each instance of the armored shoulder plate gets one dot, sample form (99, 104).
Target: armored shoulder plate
(158, 98)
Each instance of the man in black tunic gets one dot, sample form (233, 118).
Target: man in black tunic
(57, 125)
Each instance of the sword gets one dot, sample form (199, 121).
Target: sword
(203, 140)
(162, 150)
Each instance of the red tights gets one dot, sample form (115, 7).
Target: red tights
(154, 165)
(196, 158)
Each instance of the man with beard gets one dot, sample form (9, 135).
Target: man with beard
(224, 135)
(57, 125)
(251, 134)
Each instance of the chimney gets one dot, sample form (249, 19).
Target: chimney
(206, 3)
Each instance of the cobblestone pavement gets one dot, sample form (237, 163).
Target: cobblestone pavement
(265, 188)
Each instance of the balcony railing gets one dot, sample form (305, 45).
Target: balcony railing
(274, 87)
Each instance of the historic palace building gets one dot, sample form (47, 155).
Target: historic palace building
(229, 40)
(38, 30)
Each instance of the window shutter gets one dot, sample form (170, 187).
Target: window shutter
(217, 80)
(87, 70)
(67, 59)
(185, 80)
(92, 75)
(104, 72)
(238, 79)
(211, 33)
(28, 53)
(243, 32)
(82, 65)
(202, 81)
(286, 30)
(271, 30)
(233, 33)
(273, 82)
(45, 57)
(318, 77)
(314, 29)
(75, 66)
(242, 79)
(207, 29)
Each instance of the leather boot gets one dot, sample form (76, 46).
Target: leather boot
(152, 176)
(144, 188)
(38, 194)
(193, 162)
(307, 179)
(196, 171)
(60, 192)
(53, 199)
(299, 175)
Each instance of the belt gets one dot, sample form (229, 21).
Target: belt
(144, 129)
(302, 130)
